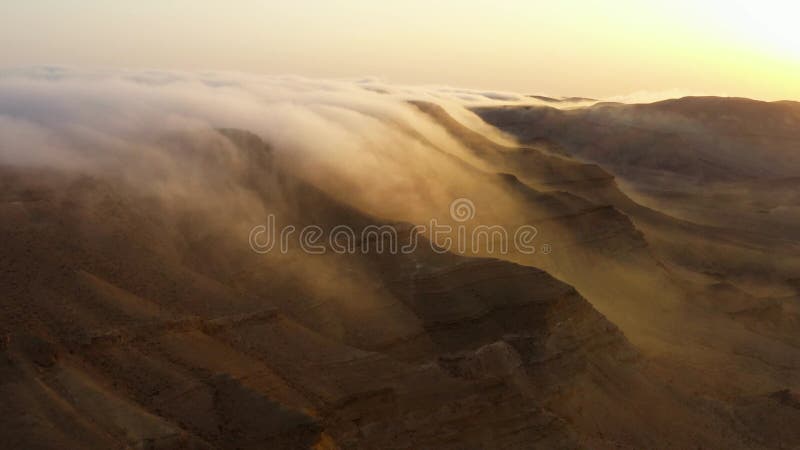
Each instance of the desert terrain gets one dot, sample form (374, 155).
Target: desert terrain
(661, 309)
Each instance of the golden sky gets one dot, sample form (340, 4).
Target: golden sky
(570, 47)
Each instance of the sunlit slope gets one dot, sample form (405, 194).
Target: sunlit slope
(663, 293)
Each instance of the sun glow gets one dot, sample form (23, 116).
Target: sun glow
(588, 48)
(772, 26)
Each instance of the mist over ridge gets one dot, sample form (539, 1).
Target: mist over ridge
(659, 308)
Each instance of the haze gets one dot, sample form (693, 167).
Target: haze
(587, 48)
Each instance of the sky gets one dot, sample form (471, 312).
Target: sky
(598, 49)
